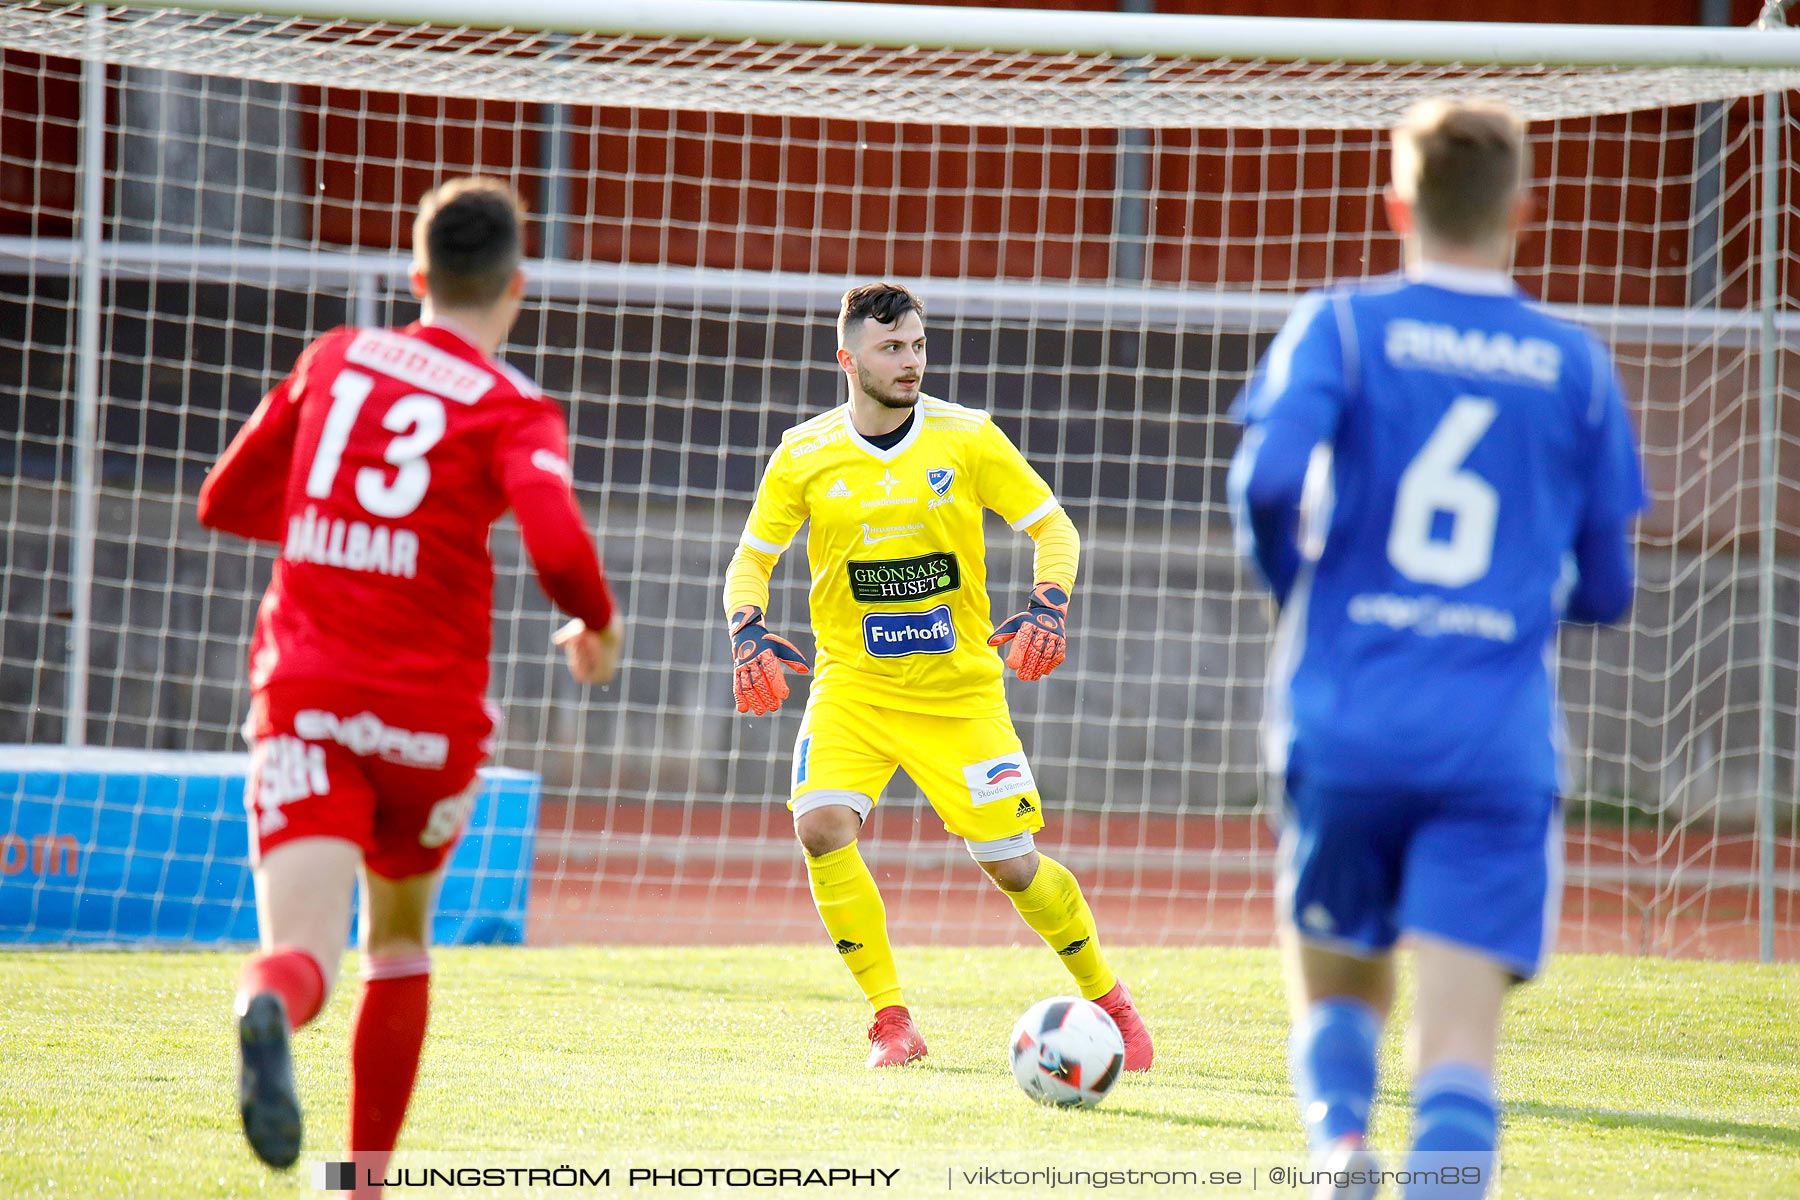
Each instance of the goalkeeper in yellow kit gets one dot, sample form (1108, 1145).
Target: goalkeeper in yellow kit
(894, 483)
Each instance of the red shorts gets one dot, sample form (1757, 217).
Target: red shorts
(390, 772)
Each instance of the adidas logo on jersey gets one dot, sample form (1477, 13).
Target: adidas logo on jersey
(1024, 807)
(838, 491)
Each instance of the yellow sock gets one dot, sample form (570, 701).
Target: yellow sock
(856, 919)
(1054, 906)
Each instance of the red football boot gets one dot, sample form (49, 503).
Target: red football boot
(1138, 1050)
(896, 1039)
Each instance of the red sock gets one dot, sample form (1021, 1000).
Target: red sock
(291, 973)
(386, 1034)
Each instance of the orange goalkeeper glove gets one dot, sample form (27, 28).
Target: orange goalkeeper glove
(759, 656)
(1038, 635)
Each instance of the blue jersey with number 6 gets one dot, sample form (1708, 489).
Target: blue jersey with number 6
(1434, 471)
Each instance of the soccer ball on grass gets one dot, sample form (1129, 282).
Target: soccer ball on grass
(1066, 1051)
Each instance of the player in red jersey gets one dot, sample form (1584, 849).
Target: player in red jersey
(379, 466)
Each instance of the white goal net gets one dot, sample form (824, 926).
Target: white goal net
(1106, 217)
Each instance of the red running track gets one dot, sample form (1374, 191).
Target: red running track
(731, 874)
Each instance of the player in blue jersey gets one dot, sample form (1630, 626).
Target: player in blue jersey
(1435, 471)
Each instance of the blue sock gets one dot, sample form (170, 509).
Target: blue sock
(1456, 1124)
(1331, 1056)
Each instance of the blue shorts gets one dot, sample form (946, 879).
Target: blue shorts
(1480, 869)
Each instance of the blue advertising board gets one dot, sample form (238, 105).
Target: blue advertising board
(139, 846)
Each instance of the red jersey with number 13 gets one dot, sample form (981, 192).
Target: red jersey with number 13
(379, 466)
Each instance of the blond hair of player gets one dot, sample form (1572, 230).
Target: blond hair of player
(1488, 449)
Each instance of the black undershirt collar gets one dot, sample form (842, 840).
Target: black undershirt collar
(887, 441)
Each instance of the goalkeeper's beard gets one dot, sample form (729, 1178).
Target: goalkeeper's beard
(889, 397)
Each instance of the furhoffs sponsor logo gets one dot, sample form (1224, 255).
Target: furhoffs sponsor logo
(899, 580)
(897, 635)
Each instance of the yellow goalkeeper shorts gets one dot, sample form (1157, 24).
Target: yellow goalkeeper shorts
(971, 769)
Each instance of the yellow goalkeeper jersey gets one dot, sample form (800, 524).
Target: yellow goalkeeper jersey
(898, 560)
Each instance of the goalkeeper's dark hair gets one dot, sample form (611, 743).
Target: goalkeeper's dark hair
(468, 238)
(884, 303)
(1460, 164)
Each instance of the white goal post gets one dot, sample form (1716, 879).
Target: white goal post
(1107, 216)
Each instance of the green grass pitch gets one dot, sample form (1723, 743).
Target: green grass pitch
(1621, 1077)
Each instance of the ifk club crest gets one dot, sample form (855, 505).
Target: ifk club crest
(940, 479)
